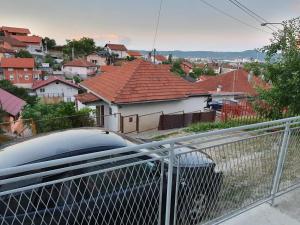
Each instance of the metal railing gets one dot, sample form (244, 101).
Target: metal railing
(203, 178)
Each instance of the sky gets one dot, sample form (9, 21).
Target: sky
(184, 25)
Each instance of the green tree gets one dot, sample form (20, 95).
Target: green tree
(209, 71)
(50, 43)
(50, 60)
(51, 117)
(255, 67)
(23, 54)
(283, 71)
(176, 68)
(82, 47)
(17, 91)
(197, 72)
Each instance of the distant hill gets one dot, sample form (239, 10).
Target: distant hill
(248, 54)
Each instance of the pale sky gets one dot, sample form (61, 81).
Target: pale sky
(184, 25)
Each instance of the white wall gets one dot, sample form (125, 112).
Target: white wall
(101, 61)
(60, 89)
(74, 71)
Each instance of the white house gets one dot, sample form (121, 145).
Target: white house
(138, 88)
(158, 59)
(56, 87)
(117, 49)
(79, 67)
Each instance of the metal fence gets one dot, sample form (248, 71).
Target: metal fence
(203, 178)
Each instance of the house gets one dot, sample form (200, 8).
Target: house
(56, 87)
(20, 71)
(8, 31)
(33, 43)
(158, 59)
(187, 67)
(138, 88)
(117, 49)
(134, 54)
(6, 53)
(12, 43)
(99, 58)
(79, 67)
(232, 84)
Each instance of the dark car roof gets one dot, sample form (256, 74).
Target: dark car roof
(52, 144)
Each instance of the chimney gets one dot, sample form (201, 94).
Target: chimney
(250, 76)
(219, 88)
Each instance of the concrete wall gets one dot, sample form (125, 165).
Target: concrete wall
(58, 89)
(98, 60)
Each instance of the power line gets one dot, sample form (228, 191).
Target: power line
(232, 17)
(251, 13)
(157, 24)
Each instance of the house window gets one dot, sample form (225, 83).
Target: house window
(69, 99)
(25, 69)
(10, 69)
(130, 119)
(94, 61)
(11, 77)
(26, 77)
(110, 111)
(36, 77)
(42, 90)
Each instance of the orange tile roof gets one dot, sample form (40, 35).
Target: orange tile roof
(28, 39)
(161, 58)
(234, 81)
(15, 30)
(116, 47)
(80, 63)
(140, 81)
(17, 63)
(86, 97)
(109, 68)
(134, 53)
(12, 41)
(41, 83)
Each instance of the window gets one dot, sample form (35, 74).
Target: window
(25, 69)
(26, 77)
(42, 90)
(69, 99)
(10, 69)
(130, 119)
(110, 111)
(11, 77)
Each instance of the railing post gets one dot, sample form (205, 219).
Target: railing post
(280, 161)
(170, 184)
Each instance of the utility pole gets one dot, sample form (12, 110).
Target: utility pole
(73, 53)
(154, 53)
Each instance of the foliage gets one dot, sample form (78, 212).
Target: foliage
(197, 72)
(202, 127)
(209, 71)
(50, 60)
(17, 91)
(282, 70)
(82, 47)
(176, 68)
(23, 54)
(130, 58)
(50, 43)
(255, 67)
(50, 117)
(77, 79)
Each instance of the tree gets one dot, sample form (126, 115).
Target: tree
(197, 72)
(282, 70)
(209, 71)
(50, 117)
(23, 54)
(255, 67)
(82, 47)
(49, 43)
(176, 68)
(17, 91)
(50, 60)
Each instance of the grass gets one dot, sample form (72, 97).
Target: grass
(202, 127)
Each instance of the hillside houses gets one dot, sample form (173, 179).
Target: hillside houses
(79, 67)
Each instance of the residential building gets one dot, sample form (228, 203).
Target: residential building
(12, 43)
(137, 88)
(117, 49)
(187, 67)
(33, 43)
(134, 54)
(98, 58)
(56, 87)
(20, 71)
(158, 59)
(6, 53)
(232, 84)
(8, 31)
(79, 67)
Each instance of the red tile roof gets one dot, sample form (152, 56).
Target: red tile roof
(15, 30)
(109, 68)
(160, 58)
(140, 81)
(86, 98)
(17, 63)
(234, 81)
(10, 103)
(134, 53)
(80, 63)
(41, 83)
(29, 39)
(116, 47)
(5, 50)
(13, 42)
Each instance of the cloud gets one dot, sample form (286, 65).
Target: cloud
(112, 37)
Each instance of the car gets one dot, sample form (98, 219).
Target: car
(129, 191)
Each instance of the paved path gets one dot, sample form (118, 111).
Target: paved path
(285, 212)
